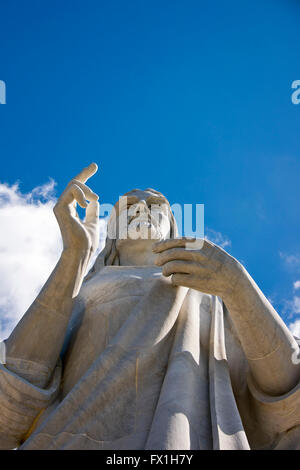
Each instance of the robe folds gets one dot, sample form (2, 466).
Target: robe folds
(145, 365)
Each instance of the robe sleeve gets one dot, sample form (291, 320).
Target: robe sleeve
(23, 398)
(277, 417)
(271, 422)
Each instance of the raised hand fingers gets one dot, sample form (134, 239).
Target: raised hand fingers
(89, 194)
(86, 173)
(74, 194)
(77, 191)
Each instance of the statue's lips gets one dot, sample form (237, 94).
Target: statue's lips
(142, 221)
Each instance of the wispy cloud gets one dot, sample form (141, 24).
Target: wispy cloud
(292, 310)
(291, 307)
(218, 238)
(292, 260)
(294, 305)
(297, 285)
(30, 245)
(295, 328)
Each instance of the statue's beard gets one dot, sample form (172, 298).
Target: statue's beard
(143, 227)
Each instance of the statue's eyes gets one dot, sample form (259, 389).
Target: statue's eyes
(159, 207)
(155, 207)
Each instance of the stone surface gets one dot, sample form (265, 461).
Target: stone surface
(159, 347)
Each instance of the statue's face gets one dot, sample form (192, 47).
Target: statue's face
(147, 216)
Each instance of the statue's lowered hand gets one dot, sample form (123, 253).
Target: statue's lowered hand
(209, 269)
(79, 237)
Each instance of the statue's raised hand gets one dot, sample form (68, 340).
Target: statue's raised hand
(209, 269)
(79, 237)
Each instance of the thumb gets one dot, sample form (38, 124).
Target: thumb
(92, 212)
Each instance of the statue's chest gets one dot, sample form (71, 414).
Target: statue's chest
(104, 305)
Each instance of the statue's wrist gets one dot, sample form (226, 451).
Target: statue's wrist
(75, 253)
(75, 260)
(236, 282)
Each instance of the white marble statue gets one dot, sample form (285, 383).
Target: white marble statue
(161, 346)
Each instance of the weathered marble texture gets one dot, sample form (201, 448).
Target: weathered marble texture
(144, 353)
(146, 365)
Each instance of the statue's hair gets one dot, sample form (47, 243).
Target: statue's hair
(109, 255)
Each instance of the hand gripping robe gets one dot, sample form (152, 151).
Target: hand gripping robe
(145, 365)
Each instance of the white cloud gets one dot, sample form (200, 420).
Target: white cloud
(296, 304)
(291, 307)
(296, 285)
(217, 238)
(30, 245)
(295, 328)
(290, 260)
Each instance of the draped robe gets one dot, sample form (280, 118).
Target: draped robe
(145, 365)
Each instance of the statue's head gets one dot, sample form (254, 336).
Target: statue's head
(142, 214)
(139, 216)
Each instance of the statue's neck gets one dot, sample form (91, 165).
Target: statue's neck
(136, 252)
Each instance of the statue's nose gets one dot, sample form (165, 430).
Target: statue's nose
(142, 204)
(141, 207)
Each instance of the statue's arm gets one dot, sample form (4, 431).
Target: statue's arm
(267, 342)
(39, 335)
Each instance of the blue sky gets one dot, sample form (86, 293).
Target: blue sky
(191, 98)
